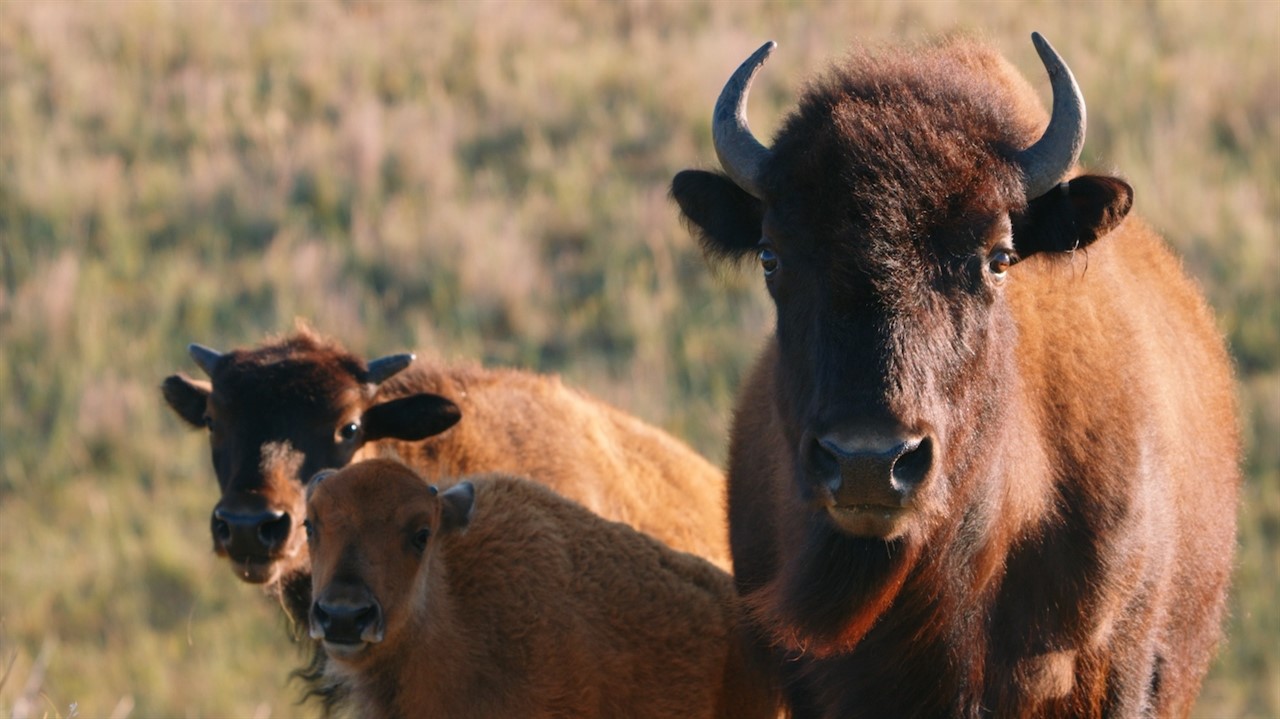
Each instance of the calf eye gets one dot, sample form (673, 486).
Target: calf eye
(306, 525)
(348, 431)
(420, 539)
(768, 261)
(1000, 261)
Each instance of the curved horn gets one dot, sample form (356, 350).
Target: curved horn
(1046, 162)
(741, 154)
(205, 357)
(384, 368)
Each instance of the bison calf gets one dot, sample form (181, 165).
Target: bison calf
(499, 598)
(278, 413)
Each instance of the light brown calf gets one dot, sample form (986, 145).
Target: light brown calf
(498, 598)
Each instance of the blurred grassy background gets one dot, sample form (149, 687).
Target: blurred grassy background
(483, 180)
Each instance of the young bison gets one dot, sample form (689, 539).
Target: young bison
(987, 463)
(499, 598)
(279, 413)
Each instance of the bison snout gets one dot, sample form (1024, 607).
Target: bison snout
(258, 535)
(868, 469)
(346, 622)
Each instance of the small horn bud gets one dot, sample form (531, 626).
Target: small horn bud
(384, 368)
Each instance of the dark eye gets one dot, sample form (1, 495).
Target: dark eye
(306, 524)
(768, 261)
(207, 421)
(348, 431)
(420, 539)
(1000, 261)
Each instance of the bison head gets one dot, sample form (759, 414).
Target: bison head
(888, 218)
(373, 529)
(276, 415)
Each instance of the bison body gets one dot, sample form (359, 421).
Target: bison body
(987, 465)
(499, 598)
(280, 412)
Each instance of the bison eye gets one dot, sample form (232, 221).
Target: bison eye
(769, 261)
(306, 525)
(420, 539)
(1000, 261)
(348, 431)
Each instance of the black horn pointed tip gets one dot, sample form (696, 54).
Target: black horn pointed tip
(383, 368)
(203, 356)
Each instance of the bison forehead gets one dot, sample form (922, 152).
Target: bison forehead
(901, 149)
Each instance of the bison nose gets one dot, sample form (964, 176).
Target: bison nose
(868, 468)
(346, 622)
(250, 535)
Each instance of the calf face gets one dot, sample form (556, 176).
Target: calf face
(372, 529)
(278, 414)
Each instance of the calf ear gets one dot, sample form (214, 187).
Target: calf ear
(1073, 215)
(725, 219)
(456, 505)
(316, 479)
(410, 418)
(188, 397)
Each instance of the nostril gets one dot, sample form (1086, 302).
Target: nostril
(366, 618)
(320, 616)
(221, 530)
(822, 460)
(913, 465)
(273, 532)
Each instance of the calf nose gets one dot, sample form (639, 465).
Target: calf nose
(870, 469)
(250, 535)
(346, 623)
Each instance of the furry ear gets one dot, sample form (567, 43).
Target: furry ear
(189, 398)
(456, 506)
(725, 219)
(1073, 215)
(410, 418)
(315, 481)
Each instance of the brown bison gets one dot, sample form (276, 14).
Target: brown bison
(987, 465)
(499, 598)
(279, 413)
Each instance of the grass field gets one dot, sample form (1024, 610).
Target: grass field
(481, 180)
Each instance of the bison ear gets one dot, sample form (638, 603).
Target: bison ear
(188, 397)
(1074, 215)
(725, 219)
(456, 506)
(316, 479)
(410, 418)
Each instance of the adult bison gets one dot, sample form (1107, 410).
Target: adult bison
(279, 412)
(988, 462)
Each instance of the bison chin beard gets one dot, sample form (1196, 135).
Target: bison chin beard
(831, 592)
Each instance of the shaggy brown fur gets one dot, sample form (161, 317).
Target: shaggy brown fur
(1068, 548)
(276, 415)
(498, 598)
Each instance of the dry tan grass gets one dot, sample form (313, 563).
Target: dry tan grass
(484, 180)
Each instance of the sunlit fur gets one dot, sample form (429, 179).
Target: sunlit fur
(1070, 553)
(299, 389)
(535, 608)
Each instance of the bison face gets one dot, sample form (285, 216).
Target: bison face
(886, 219)
(374, 530)
(277, 415)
